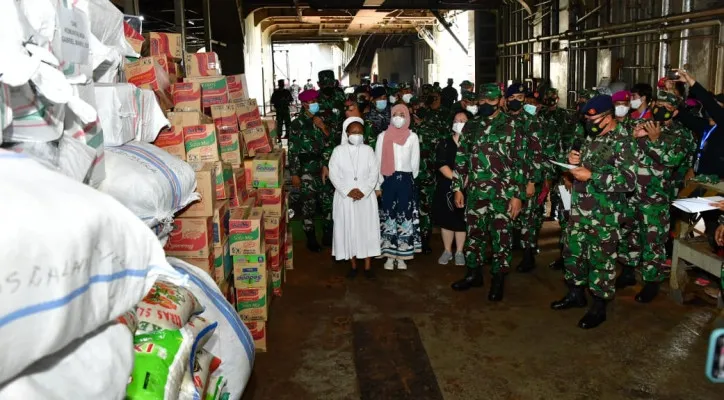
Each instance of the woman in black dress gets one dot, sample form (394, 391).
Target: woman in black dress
(449, 218)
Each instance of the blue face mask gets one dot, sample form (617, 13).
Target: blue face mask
(314, 108)
(530, 109)
(381, 104)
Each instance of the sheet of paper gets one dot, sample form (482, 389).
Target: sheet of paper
(697, 204)
(566, 166)
(565, 197)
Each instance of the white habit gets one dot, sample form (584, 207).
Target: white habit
(356, 223)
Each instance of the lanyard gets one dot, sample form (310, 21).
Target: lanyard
(643, 113)
(705, 137)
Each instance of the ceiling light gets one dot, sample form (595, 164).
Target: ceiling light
(140, 17)
(345, 38)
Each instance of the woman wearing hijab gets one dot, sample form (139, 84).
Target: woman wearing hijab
(354, 172)
(398, 153)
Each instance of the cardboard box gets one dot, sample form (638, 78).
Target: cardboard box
(268, 170)
(271, 201)
(239, 193)
(230, 148)
(248, 173)
(162, 61)
(206, 264)
(223, 264)
(237, 87)
(165, 44)
(190, 237)
(247, 112)
(172, 140)
(252, 304)
(273, 228)
(175, 72)
(250, 271)
(277, 277)
(146, 73)
(258, 332)
(224, 180)
(186, 96)
(275, 259)
(289, 247)
(246, 231)
(201, 143)
(188, 118)
(206, 187)
(256, 141)
(224, 116)
(213, 90)
(202, 64)
(135, 39)
(221, 222)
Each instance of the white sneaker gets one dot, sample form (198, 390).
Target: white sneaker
(401, 264)
(445, 258)
(459, 259)
(390, 264)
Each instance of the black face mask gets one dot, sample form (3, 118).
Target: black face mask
(515, 105)
(661, 114)
(486, 110)
(328, 91)
(593, 129)
(361, 105)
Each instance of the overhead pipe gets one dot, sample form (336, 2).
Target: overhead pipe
(588, 14)
(684, 44)
(672, 28)
(630, 25)
(444, 23)
(664, 45)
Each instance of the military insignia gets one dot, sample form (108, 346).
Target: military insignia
(535, 94)
(591, 111)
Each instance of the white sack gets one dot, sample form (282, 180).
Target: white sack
(152, 183)
(73, 260)
(16, 64)
(96, 366)
(6, 111)
(34, 118)
(118, 107)
(152, 119)
(106, 23)
(232, 340)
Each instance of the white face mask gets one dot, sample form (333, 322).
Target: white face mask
(621, 111)
(356, 140)
(458, 127)
(407, 97)
(636, 103)
(472, 109)
(393, 99)
(398, 121)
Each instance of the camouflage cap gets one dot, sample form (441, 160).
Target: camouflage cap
(489, 91)
(392, 90)
(326, 76)
(587, 94)
(550, 92)
(470, 96)
(404, 86)
(668, 97)
(466, 83)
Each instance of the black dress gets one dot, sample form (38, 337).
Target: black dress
(444, 212)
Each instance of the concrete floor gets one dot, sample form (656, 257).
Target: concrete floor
(515, 349)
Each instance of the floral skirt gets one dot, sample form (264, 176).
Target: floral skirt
(400, 217)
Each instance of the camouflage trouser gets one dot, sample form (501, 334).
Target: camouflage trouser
(312, 197)
(530, 221)
(326, 197)
(489, 222)
(643, 242)
(590, 257)
(426, 186)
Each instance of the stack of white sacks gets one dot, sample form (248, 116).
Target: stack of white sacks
(82, 186)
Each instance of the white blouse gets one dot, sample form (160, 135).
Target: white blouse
(407, 156)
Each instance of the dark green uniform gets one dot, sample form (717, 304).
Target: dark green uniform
(432, 129)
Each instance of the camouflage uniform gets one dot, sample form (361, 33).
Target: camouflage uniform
(432, 129)
(491, 156)
(379, 120)
(593, 229)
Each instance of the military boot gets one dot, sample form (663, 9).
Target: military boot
(327, 237)
(528, 262)
(312, 243)
(473, 278)
(649, 291)
(426, 249)
(496, 287)
(626, 278)
(557, 264)
(596, 315)
(575, 298)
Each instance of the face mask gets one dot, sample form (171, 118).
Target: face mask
(592, 128)
(393, 99)
(381, 104)
(458, 127)
(398, 121)
(636, 103)
(472, 109)
(407, 97)
(515, 105)
(530, 109)
(487, 110)
(328, 91)
(621, 111)
(356, 140)
(661, 114)
(314, 108)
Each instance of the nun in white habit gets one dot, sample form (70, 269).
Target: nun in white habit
(354, 171)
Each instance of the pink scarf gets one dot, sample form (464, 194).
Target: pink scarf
(394, 136)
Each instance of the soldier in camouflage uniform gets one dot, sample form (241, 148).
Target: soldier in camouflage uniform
(662, 146)
(531, 217)
(430, 131)
(405, 92)
(468, 101)
(379, 115)
(307, 142)
(491, 160)
(351, 109)
(606, 173)
(558, 129)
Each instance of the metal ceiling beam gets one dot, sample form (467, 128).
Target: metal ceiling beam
(444, 23)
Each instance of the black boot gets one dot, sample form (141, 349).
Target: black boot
(473, 278)
(496, 287)
(528, 262)
(557, 264)
(426, 249)
(596, 315)
(650, 290)
(575, 298)
(327, 238)
(312, 243)
(626, 278)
